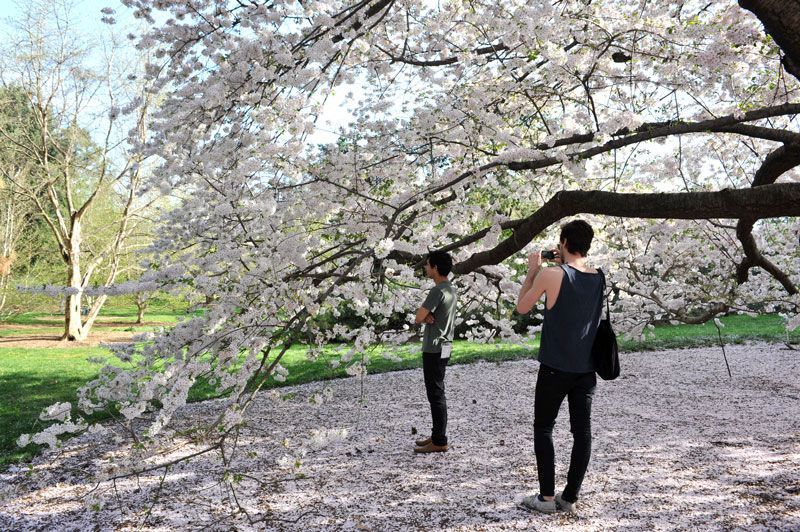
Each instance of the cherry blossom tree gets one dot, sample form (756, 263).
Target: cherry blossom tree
(478, 127)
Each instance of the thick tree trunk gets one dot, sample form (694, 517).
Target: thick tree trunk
(73, 322)
(141, 307)
(781, 19)
(6, 252)
(72, 319)
(3, 291)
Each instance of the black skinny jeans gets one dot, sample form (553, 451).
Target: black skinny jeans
(552, 386)
(433, 368)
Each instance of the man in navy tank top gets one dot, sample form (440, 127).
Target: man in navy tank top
(573, 304)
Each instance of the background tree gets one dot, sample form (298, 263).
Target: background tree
(72, 138)
(16, 216)
(10, 216)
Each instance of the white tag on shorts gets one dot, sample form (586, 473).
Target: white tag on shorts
(446, 349)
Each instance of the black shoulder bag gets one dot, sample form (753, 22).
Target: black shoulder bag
(604, 349)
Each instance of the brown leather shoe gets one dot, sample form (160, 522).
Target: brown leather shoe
(432, 448)
(423, 443)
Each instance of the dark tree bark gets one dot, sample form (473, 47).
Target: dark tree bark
(767, 201)
(776, 164)
(781, 19)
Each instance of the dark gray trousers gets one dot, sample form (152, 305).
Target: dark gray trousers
(552, 386)
(433, 368)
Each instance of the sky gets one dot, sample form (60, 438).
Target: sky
(86, 15)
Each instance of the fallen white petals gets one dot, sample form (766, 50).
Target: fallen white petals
(677, 445)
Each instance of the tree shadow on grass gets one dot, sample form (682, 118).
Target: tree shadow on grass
(23, 396)
(18, 338)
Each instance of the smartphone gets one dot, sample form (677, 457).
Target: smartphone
(549, 254)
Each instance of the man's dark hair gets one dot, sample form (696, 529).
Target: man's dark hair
(578, 235)
(442, 261)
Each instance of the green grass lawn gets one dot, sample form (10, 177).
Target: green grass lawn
(115, 315)
(113, 320)
(31, 379)
(737, 329)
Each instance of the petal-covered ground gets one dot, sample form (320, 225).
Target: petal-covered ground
(677, 444)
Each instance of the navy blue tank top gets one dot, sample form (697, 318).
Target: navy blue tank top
(570, 326)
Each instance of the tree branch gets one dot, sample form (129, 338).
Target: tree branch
(484, 50)
(626, 137)
(781, 19)
(767, 201)
(776, 164)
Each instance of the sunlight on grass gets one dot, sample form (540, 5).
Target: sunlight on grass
(31, 379)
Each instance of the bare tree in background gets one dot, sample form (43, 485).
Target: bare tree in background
(79, 147)
(10, 215)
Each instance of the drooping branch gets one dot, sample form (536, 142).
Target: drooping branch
(753, 258)
(624, 137)
(723, 124)
(776, 164)
(484, 50)
(767, 201)
(781, 19)
(683, 314)
(627, 137)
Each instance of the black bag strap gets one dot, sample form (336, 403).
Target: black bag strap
(603, 294)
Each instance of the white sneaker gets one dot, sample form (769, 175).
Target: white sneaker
(565, 505)
(536, 503)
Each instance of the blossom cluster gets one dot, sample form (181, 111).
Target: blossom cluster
(285, 241)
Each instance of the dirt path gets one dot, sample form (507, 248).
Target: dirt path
(677, 445)
(47, 338)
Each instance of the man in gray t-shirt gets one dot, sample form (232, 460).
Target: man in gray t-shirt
(438, 313)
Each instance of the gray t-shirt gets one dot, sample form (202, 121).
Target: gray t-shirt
(441, 302)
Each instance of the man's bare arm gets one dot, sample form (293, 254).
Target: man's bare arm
(423, 315)
(534, 285)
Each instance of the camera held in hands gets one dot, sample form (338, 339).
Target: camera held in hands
(549, 254)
